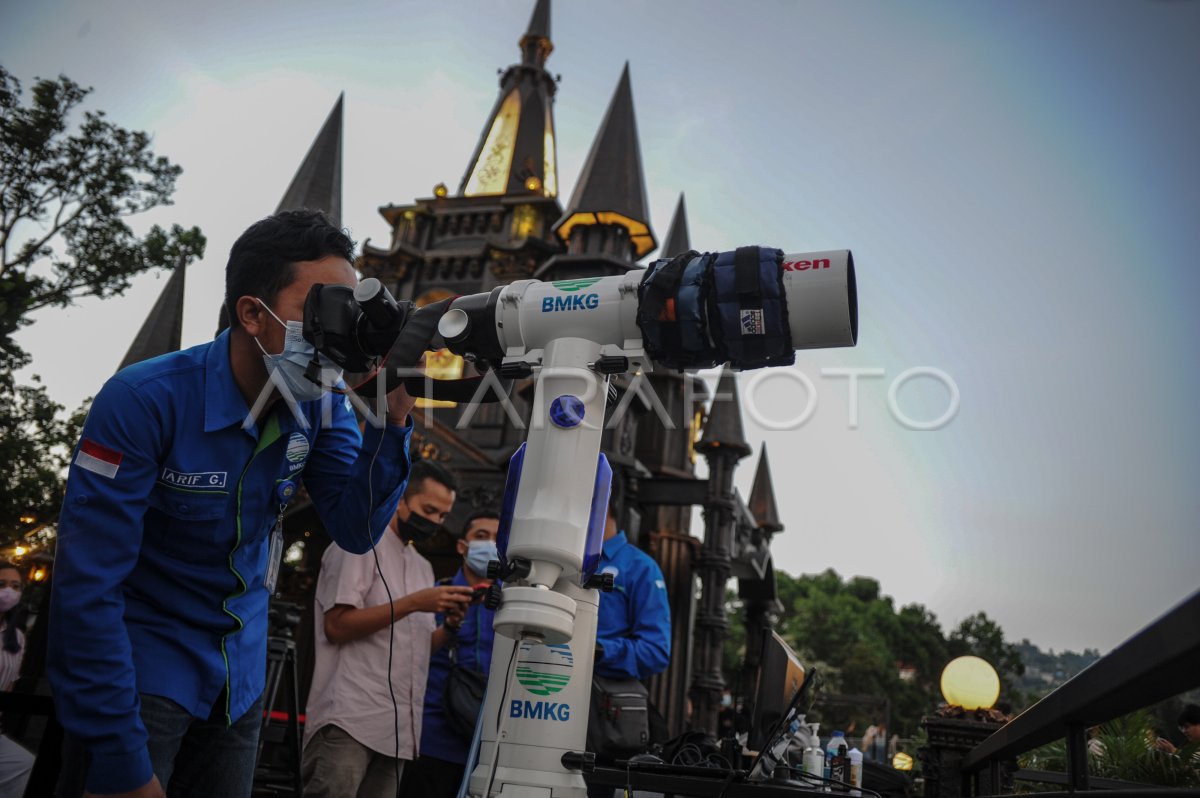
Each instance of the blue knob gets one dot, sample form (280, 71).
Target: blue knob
(567, 411)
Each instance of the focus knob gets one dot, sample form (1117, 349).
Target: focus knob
(493, 598)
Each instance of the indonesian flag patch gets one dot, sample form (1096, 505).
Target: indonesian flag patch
(98, 459)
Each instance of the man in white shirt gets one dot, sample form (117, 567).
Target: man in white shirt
(356, 740)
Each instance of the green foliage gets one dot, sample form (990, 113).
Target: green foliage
(64, 197)
(67, 186)
(1124, 749)
(863, 645)
(982, 637)
(34, 446)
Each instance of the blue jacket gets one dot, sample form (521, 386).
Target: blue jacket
(474, 642)
(163, 538)
(634, 629)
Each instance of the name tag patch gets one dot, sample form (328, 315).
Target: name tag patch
(198, 479)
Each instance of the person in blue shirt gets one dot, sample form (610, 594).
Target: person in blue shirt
(165, 556)
(633, 630)
(438, 771)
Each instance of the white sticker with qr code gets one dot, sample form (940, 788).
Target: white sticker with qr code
(752, 321)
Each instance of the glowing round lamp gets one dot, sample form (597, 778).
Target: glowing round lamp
(902, 761)
(971, 683)
(533, 183)
(440, 190)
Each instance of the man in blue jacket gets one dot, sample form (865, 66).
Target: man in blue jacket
(168, 541)
(438, 771)
(633, 630)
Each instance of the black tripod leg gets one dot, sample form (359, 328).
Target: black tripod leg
(294, 718)
(274, 671)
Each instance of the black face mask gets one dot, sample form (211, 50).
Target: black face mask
(417, 528)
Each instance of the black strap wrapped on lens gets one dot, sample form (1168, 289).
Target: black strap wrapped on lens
(671, 315)
(748, 308)
(698, 311)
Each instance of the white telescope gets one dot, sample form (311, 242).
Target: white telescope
(572, 336)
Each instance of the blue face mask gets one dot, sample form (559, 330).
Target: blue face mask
(479, 554)
(288, 367)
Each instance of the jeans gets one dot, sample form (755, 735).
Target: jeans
(192, 758)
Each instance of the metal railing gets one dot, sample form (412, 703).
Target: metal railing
(1161, 661)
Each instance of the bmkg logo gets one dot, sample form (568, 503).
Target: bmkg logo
(545, 670)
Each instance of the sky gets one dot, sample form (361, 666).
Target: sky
(1018, 182)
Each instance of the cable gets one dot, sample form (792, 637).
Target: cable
(391, 611)
(512, 661)
(833, 782)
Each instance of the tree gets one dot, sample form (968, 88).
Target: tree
(67, 186)
(983, 637)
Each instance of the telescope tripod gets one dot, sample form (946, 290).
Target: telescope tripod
(281, 663)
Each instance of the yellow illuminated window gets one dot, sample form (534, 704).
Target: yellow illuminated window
(550, 158)
(441, 365)
(490, 175)
(525, 221)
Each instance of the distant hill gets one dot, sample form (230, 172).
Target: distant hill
(1046, 670)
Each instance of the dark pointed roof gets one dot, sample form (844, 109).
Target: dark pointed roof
(676, 242)
(317, 185)
(611, 187)
(762, 497)
(539, 22)
(162, 330)
(723, 428)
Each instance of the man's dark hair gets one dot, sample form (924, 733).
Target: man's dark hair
(475, 516)
(261, 260)
(1190, 715)
(427, 469)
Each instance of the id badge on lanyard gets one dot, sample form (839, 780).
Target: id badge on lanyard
(284, 492)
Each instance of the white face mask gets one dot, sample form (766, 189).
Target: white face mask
(292, 363)
(8, 598)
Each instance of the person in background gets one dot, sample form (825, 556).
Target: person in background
(375, 628)
(439, 770)
(875, 743)
(15, 762)
(633, 630)
(1189, 727)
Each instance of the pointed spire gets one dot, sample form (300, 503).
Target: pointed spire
(162, 330)
(317, 185)
(762, 497)
(535, 44)
(612, 189)
(516, 154)
(723, 428)
(676, 242)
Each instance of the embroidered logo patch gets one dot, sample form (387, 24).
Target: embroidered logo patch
(297, 448)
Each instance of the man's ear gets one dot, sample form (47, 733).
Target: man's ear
(462, 547)
(250, 314)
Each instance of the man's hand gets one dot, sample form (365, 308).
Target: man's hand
(151, 789)
(399, 403)
(448, 599)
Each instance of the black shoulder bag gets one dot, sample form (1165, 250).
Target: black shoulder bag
(463, 698)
